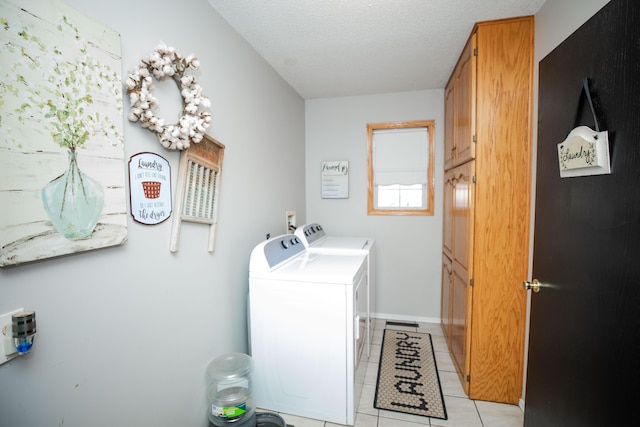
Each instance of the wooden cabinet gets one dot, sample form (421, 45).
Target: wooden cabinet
(459, 111)
(457, 255)
(447, 213)
(486, 208)
(445, 305)
(449, 103)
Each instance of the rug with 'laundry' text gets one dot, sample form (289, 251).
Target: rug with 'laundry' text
(408, 378)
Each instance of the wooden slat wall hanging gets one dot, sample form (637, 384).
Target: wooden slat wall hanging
(198, 188)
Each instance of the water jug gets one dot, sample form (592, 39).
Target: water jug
(229, 391)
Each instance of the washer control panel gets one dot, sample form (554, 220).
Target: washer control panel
(310, 233)
(281, 248)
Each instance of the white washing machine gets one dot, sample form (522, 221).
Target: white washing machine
(315, 239)
(305, 329)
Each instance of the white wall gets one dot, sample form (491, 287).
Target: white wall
(555, 21)
(125, 333)
(408, 248)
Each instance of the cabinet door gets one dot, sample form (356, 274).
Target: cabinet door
(462, 214)
(449, 120)
(445, 306)
(464, 116)
(463, 210)
(460, 336)
(447, 220)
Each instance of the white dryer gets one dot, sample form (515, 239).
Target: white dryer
(306, 339)
(315, 239)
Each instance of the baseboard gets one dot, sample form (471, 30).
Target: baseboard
(403, 323)
(400, 318)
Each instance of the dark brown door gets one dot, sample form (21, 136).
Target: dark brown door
(584, 351)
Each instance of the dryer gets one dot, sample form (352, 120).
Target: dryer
(305, 335)
(315, 239)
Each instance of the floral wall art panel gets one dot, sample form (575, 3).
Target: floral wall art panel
(62, 168)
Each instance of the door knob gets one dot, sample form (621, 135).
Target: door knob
(534, 286)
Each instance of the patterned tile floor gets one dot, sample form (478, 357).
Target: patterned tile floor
(461, 411)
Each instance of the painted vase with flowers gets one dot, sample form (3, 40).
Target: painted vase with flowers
(61, 87)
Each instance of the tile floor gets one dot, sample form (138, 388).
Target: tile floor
(461, 411)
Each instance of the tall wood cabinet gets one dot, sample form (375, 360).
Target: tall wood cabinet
(488, 102)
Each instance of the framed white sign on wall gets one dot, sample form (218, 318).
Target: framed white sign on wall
(335, 180)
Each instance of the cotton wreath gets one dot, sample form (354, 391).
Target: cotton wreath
(165, 62)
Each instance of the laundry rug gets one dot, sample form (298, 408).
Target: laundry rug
(408, 378)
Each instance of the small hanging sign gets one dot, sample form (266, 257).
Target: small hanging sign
(150, 188)
(585, 152)
(335, 180)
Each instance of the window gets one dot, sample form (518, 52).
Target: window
(400, 168)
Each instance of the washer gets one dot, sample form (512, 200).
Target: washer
(305, 329)
(315, 239)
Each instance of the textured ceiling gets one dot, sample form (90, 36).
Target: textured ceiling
(333, 48)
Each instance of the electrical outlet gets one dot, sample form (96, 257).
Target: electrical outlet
(9, 348)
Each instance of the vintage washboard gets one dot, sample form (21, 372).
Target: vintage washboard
(198, 188)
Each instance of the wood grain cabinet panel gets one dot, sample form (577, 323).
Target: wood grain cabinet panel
(449, 128)
(445, 306)
(487, 201)
(447, 222)
(460, 107)
(464, 117)
(459, 213)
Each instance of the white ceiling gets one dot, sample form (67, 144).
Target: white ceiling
(334, 48)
